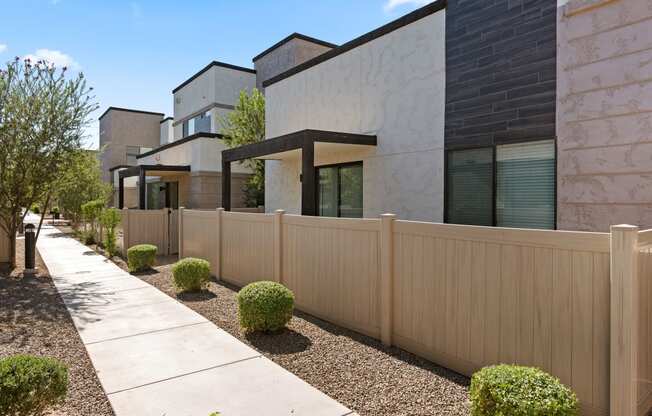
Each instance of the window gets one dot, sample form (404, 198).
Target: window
(511, 186)
(470, 186)
(197, 124)
(339, 190)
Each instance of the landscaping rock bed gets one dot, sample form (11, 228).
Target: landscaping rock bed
(34, 320)
(354, 369)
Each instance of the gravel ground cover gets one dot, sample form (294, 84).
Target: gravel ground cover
(34, 320)
(354, 369)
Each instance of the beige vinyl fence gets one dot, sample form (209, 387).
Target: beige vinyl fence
(462, 296)
(157, 227)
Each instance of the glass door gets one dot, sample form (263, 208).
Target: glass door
(339, 190)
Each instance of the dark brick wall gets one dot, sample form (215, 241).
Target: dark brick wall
(500, 71)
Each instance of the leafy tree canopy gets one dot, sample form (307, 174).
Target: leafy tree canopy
(43, 113)
(246, 125)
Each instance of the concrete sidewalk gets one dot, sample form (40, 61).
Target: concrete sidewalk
(155, 356)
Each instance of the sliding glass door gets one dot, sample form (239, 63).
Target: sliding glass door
(339, 190)
(506, 185)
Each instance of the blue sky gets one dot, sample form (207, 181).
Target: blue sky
(135, 52)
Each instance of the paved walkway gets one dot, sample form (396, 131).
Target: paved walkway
(155, 356)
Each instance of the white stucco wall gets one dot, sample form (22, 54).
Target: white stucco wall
(392, 87)
(203, 155)
(216, 85)
(167, 132)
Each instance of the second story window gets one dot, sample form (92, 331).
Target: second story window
(197, 124)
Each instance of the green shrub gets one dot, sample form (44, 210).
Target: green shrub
(520, 391)
(29, 385)
(265, 306)
(191, 274)
(87, 237)
(36, 209)
(55, 210)
(141, 257)
(110, 219)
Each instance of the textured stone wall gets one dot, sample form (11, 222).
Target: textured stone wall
(500, 71)
(604, 117)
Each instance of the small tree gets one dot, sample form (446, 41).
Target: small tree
(110, 219)
(43, 114)
(79, 183)
(92, 212)
(245, 125)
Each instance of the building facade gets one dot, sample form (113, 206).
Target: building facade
(125, 134)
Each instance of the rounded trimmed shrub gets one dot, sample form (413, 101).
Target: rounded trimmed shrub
(191, 274)
(29, 385)
(520, 391)
(141, 257)
(265, 306)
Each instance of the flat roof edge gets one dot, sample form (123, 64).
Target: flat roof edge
(209, 66)
(409, 18)
(288, 38)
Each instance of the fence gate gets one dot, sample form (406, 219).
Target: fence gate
(159, 227)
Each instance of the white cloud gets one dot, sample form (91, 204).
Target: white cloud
(56, 58)
(3, 47)
(392, 4)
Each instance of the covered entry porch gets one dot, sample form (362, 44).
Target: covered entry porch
(145, 171)
(313, 150)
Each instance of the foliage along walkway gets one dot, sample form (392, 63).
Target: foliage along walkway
(155, 356)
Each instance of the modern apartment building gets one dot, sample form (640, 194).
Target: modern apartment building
(505, 113)
(185, 166)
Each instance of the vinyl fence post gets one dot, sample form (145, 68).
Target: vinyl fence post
(386, 276)
(181, 209)
(278, 245)
(166, 228)
(218, 242)
(125, 231)
(624, 320)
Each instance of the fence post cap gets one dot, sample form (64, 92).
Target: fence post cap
(219, 209)
(279, 211)
(388, 215)
(624, 227)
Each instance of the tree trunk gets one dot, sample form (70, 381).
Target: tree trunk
(12, 250)
(40, 223)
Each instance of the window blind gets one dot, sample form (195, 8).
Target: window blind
(525, 185)
(469, 186)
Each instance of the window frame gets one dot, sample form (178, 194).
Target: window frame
(339, 185)
(494, 175)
